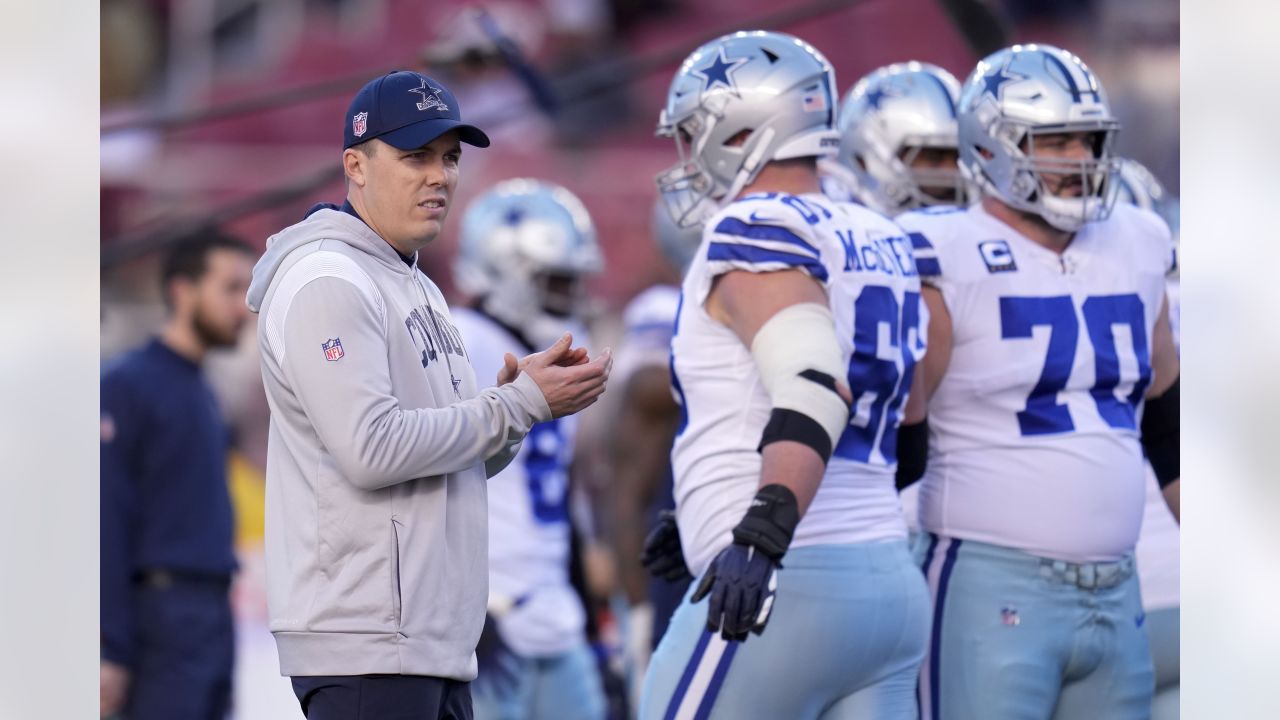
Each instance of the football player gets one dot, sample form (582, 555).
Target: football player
(799, 326)
(1049, 333)
(642, 426)
(1157, 552)
(898, 141)
(899, 152)
(526, 249)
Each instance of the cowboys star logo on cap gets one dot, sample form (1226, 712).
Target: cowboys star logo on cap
(359, 123)
(430, 97)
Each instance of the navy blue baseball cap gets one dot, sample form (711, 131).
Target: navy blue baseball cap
(406, 110)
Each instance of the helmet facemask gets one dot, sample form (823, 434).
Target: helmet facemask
(927, 186)
(1023, 181)
(1095, 177)
(688, 188)
(695, 189)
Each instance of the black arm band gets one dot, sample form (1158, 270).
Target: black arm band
(770, 521)
(913, 453)
(1162, 434)
(787, 424)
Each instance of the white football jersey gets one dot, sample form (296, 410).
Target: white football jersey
(865, 263)
(1034, 440)
(529, 536)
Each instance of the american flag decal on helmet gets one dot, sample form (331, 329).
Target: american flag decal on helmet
(815, 100)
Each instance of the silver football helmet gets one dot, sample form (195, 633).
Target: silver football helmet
(677, 244)
(890, 118)
(527, 247)
(1025, 92)
(1138, 186)
(735, 104)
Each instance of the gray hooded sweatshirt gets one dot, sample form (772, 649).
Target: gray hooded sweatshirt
(379, 448)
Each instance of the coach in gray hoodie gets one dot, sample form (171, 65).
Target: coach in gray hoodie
(380, 440)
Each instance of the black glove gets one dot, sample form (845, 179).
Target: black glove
(743, 578)
(663, 557)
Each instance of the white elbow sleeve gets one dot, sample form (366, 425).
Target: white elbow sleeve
(799, 359)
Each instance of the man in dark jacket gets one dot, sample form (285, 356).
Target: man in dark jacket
(167, 558)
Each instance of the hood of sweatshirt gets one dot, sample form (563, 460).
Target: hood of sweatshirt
(327, 223)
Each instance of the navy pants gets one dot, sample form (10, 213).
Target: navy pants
(186, 647)
(382, 697)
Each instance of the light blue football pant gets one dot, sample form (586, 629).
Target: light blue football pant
(1164, 627)
(561, 687)
(1018, 637)
(844, 642)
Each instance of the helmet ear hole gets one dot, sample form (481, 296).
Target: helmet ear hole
(739, 138)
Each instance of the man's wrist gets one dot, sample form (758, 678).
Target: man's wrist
(770, 521)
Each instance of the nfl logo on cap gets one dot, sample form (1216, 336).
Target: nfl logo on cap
(332, 349)
(358, 123)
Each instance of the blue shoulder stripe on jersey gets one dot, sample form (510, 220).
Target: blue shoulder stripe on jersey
(928, 267)
(919, 241)
(737, 228)
(757, 255)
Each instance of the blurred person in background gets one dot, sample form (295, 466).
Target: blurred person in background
(381, 436)
(527, 248)
(785, 499)
(1051, 369)
(167, 556)
(1158, 551)
(898, 147)
(643, 419)
(899, 152)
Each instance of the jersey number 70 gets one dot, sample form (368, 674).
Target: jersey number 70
(1043, 414)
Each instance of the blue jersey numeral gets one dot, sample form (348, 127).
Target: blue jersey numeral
(878, 386)
(1102, 314)
(1018, 315)
(546, 472)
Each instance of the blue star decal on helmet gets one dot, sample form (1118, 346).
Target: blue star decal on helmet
(720, 71)
(993, 83)
(513, 217)
(876, 96)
